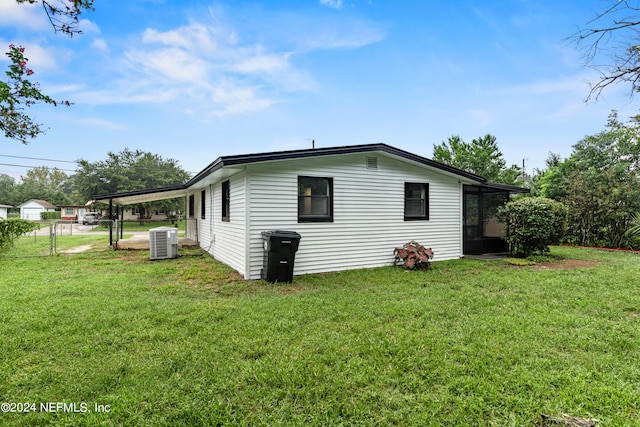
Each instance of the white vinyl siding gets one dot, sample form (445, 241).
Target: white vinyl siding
(225, 240)
(368, 212)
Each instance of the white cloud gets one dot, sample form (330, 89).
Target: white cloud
(43, 57)
(29, 15)
(206, 67)
(336, 34)
(210, 70)
(335, 4)
(195, 36)
(88, 27)
(101, 123)
(171, 65)
(101, 45)
(260, 63)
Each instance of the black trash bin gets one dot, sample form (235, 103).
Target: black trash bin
(279, 255)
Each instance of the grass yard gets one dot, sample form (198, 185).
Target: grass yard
(188, 342)
(135, 225)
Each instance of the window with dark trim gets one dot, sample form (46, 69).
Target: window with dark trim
(226, 201)
(192, 205)
(416, 201)
(203, 209)
(315, 199)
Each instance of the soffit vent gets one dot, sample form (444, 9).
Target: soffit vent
(372, 162)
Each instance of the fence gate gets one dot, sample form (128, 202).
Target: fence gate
(74, 237)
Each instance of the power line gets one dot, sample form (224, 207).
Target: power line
(37, 158)
(33, 167)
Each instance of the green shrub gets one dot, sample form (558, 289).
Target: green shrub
(533, 223)
(634, 228)
(14, 227)
(50, 215)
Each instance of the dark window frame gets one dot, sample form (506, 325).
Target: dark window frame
(414, 217)
(203, 208)
(192, 205)
(226, 201)
(302, 217)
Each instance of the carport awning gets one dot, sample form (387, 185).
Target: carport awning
(143, 196)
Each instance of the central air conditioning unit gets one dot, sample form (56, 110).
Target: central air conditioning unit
(163, 242)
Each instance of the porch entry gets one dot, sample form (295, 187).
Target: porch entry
(483, 232)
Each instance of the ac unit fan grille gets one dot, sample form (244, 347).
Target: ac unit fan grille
(160, 245)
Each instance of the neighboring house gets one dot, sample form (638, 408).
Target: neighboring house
(4, 211)
(32, 209)
(131, 214)
(352, 206)
(72, 212)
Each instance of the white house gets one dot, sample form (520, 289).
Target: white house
(4, 211)
(352, 206)
(32, 209)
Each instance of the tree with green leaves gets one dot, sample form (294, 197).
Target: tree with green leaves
(130, 171)
(481, 156)
(600, 183)
(18, 92)
(42, 183)
(52, 178)
(7, 189)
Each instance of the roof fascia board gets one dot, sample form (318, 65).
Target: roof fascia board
(309, 153)
(139, 192)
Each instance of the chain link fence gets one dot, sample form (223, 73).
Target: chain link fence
(32, 244)
(63, 237)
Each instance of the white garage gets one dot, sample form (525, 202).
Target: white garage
(4, 211)
(31, 210)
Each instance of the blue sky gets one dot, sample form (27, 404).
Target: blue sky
(194, 80)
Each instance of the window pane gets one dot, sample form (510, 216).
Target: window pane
(415, 191)
(414, 207)
(319, 206)
(313, 187)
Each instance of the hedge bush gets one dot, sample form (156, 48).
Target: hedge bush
(50, 215)
(533, 223)
(14, 227)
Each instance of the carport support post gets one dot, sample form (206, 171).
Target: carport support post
(121, 219)
(110, 223)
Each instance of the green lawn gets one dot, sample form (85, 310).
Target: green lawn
(136, 226)
(187, 342)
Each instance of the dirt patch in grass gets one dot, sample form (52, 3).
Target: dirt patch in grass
(565, 264)
(76, 250)
(632, 313)
(286, 290)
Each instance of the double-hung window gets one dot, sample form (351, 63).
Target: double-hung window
(192, 204)
(315, 199)
(226, 201)
(203, 208)
(416, 201)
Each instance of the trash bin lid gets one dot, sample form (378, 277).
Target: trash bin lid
(281, 233)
